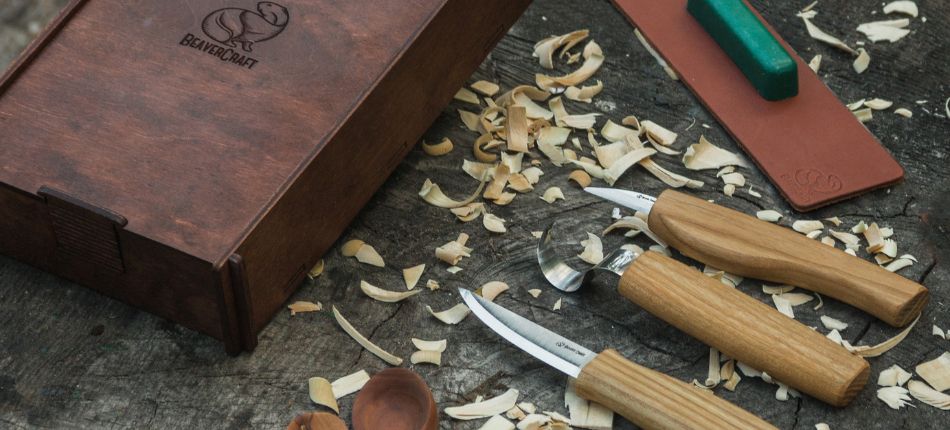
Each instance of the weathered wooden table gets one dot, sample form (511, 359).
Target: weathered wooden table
(70, 358)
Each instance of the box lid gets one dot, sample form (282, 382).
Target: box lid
(189, 118)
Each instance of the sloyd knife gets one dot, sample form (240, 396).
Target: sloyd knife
(738, 243)
(646, 397)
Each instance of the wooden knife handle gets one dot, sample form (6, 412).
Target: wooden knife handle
(744, 245)
(743, 328)
(653, 400)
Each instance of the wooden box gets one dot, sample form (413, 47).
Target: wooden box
(194, 158)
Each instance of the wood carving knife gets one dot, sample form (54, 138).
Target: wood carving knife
(646, 397)
(738, 243)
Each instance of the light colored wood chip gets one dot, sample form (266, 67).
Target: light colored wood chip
(317, 270)
(899, 264)
(468, 212)
(904, 112)
(527, 95)
(368, 255)
(534, 422)
(545, 48)
(878, 104)
(533, 174)
(813, 234)
(768, 215)
(822, 426)
(895, 397)
(618, 168)
(734, 178)
(431, 357)
(636, 224)
(807, 226)
(535, 292)
(937, 331)
(363, 341)
(466, 95)
(856, 105)
(452, 252)
(887, 345)
(844, 237)
(593, 249)
(412, 275)
(889, 31)
(497, 422)
(557, 305)
(302, 306)
(485, 88)
(656, 56)
(815, 63)
(350, 247)
(783, 305)
(470, 119)
(864, 115)
(936, 372)
(893, 376)
(713, 375)
(515, 413)
(432, 285)
(321, 393)
(492, 289)
(349, 384)
(478, 149)
(438, 149)
(819, 35)
(584, 94)
(387, 296)
(905, 7)
(484, 408)
(616, 133)
(862, 62)
(797, 299)
(528, 407)
(834, 221)
(593, 59)
(924, 393)
(498, 182)
(552, 194)
(430, 345)
(493, 223)
(453, 315)
(779, 289)
(517, 129)
(833, 324)
(729, 375)
(827, 240)
(704, 155)
(564, 119)
(658, 134)
(519, 183)
(433, 195)
(581, 177)
(875, 240)
(860, 227)
(454, 269)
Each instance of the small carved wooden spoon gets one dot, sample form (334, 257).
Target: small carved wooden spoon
(395, 399)
(317, 421)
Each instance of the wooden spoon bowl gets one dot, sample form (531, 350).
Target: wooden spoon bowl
(395, 399)
(317, 421)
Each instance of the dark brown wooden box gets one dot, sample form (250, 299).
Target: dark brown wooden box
(195, 158)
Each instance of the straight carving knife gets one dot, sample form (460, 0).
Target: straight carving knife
(738, 243)
(646, 397)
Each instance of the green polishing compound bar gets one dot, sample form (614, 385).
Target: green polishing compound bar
(736, 29)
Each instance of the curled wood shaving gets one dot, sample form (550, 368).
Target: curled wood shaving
(705, 155)
(828, 241)
(807, 226)
(905, 7)
(607, 155)
(478, 149)
(534, 422)
(900, 263)
(616, 133)
(564, 119)
(517, 129)
(549, 141)
(387, 296)
(593, 249)
(535, 292)
(768, 215)
(862, 62)
(593, 59)
(584, 94)
(585, 414)
(302, 306)
(618, 168)
(878, 104)
(526, 95)
(735, 178)
(834, 220)
(485, 88)
(432, 285)
(504, 199)
(815, 63)
(515, 413)
(441, 148)
(466, 95)
(813, 234)
(819, 35)
(363, 341)
(453, 315)
(349, 384)
(831, 323)
(533, 174)
(368, 255)
(470, 119)
(497, 422)
(430, 345)
(544, 49)
(484, 408)
(874, 237)
(452, 252)
(491, 290)
(656, 56)
(519, 183)
(937, 331)
(783, 305)
(822, 426)
(493, 223)
(552, 194)
(658, 134)
(904, 112)
(729, 375)
(936, 372)
(895, 397)
(890, 31)
(499, 180)
(844, 237)
(431, 357)
(316, 271)
(924, 393)
(713, 376)
(887, 345)
(321, 393)
(433, 195)
(893, 376)
(557, 305)
(468, 212)
(674, 180)
(350, 248)
(780, 289)
(636, 224)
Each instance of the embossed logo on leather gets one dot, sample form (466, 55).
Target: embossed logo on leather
(813, 181)
(237, 30)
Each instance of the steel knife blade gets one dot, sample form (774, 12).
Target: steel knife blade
(630, 199)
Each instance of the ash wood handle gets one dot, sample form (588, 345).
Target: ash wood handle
(653, 400)
(744, 328)
(744, 245)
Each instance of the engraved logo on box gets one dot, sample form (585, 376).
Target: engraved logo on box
(237, 30)
(813, 181)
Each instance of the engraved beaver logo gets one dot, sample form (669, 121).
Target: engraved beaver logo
(232, 26)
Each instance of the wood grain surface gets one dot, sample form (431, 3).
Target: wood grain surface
(71, 358)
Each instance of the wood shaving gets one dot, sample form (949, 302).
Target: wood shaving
(618, 168)
(828, 241)
(815, 63)
(526, 95)
(387, 296)
(905, 7)
(452, 252)
(454, 269)
(729, 375)
(494, 223)
(515, 413)
(585, 414)
(893, 376)
(887, 345)
(924, 393)
(544, 49)
(904, 112)
(321, 393)
(316, 271)
(534, 422)
(895, 397)
(430, 345)
(833, 324)
(535, 292)
(656, 56)
(783, 306)
(552, 194)
(636, 224)
(704, 155)
(819, 35)
(936, 372)
(441, 148)
(658, 134)
(491, 290)
(350, 248)
(862, 62)
(900, 263)
(937, 331)
(864, 115)
(368, 255)
(468, 212)
(519, 183)
(607, 155)
(497, 422)
(517, 129)
(581, 177)
(453, 315)
(432, 285)
(822, 426)
(302, 306)
(844, 237)
(433, 195)
(860, 227)
(593, 249)
(768, 215)
(349, 384)
(890, 31)
(735, 178)
(412, 275)
(466, 95)
(780, 289)
(485, 88)
(557, 305)
(512, 161)
(564, 119)
(674, 180)
(363, 341)
(498, 182)
(713, 376)
(478, 149)
(470, 119)
(797, 299)
(484, 408)
(878, 104)
(616, 133)
(813, 234)
(533, 174)
(431, 357)
(807, 226)
(584, 94)
(593, 59)
(874, 237)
